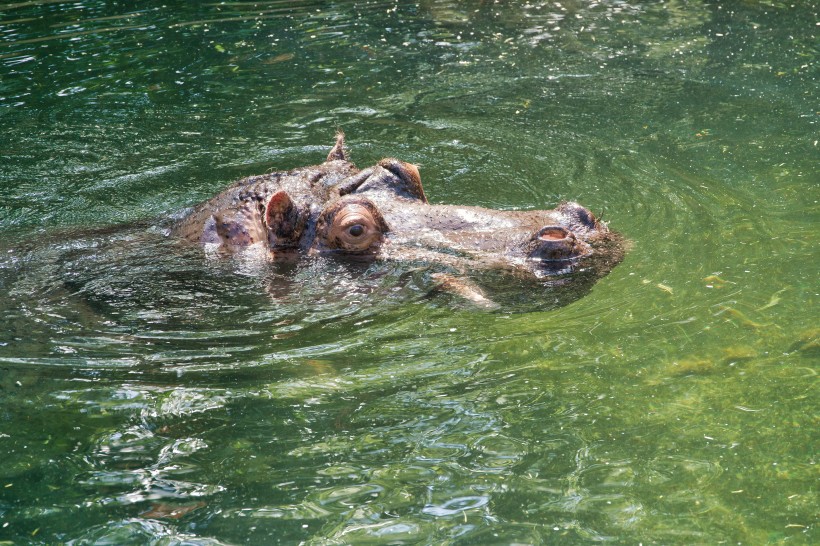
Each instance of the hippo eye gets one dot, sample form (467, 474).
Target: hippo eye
(355, 228)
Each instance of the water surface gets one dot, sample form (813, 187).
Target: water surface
(150, 392)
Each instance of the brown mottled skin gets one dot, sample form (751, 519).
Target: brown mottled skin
(382, 213)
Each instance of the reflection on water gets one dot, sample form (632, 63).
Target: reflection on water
(148, 392)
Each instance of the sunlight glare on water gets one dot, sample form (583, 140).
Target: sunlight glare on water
(150, 391)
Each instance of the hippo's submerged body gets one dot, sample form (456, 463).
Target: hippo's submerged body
(382, 213)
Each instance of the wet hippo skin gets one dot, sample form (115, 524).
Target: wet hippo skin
(382, 213)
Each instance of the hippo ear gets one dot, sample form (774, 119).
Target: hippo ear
(282, 220)
(338, 151)
(408, 176)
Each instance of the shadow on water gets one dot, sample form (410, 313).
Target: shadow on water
(137, 285)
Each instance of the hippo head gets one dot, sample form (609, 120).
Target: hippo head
(382, 213)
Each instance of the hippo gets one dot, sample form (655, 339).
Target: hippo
(381, 212)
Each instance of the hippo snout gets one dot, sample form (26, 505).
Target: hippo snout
(557, 243)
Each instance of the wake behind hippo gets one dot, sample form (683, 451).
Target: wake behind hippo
(381, 213)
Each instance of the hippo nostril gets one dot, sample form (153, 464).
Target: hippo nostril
(557, 243)
(553, 233)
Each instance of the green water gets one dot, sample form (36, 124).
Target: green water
(151, 394)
